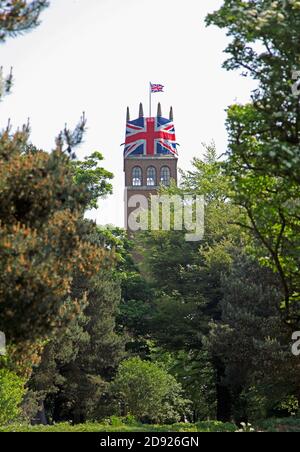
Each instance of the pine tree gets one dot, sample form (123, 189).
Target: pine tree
(250, 344)
(88, 377)
(18, 16)
(73, 378)
(41, 242)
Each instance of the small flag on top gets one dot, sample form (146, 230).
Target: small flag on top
(156, 88)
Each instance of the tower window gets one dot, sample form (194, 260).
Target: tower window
(151, 176)
(136, 176)
(165, 175)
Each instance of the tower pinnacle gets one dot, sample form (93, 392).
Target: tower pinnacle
(159, 112)
(141, 111)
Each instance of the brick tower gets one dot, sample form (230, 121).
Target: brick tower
(150, 155)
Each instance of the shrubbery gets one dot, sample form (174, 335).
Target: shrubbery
(149, 392)
(11, 394)
(119, 424)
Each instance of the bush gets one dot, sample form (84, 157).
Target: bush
(290, 424)
(148, 392)
(216, 426)
(119, 421)
(11, 395)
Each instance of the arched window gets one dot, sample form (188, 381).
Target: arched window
(136, 176)
(165, 175)
(151, 176)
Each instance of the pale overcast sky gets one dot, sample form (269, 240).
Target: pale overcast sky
(99, 56)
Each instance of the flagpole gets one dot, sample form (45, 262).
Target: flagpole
(150, 99)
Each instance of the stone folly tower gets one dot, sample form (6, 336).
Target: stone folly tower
(150, 155)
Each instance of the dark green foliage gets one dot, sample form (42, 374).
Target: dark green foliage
(137, 294)
(251, 342)
(290, 424)
(195, 371)
(234, 303)
(76, 367)
(188, 281)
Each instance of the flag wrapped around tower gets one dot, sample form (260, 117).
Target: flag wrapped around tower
(150, 136)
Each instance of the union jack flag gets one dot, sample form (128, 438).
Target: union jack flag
(156, 88)
(150, 136)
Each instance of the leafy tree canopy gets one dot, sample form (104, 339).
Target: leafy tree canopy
(149, 392)
(263, 155)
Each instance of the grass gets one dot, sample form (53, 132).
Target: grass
(290, 424)
(210, 426)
